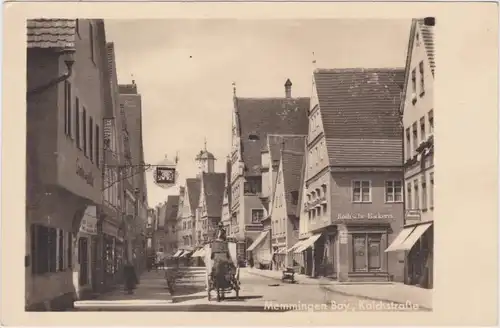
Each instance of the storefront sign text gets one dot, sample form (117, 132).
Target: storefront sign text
(86, 176)
(357, 216)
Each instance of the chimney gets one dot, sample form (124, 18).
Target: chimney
(288, 88)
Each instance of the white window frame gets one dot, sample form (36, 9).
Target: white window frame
(353, 182)
(256, 209)
(392, 182)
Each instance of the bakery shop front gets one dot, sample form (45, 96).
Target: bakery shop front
(352, 248)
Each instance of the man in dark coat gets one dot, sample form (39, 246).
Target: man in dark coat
(131, 279)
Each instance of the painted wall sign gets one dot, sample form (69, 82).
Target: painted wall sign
(88, 177)
(357, 216)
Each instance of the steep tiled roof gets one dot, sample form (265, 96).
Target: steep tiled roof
(193, 186)
(259, 117)
(360, 114)
(51, 33)
(172, 206)
(213, 186)
(292, 171)
(427, 32)
(292, 143)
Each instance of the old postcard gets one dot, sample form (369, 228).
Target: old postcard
(230, 163)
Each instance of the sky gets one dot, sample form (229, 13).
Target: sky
(184, 70)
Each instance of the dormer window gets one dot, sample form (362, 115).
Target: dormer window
(253, 137)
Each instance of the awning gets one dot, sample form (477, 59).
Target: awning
(199, 253)
(396, 243)
(178, 253)
(185, 254)
(257, 241)
(195, 254)
(414, 236)
(308, 243)
(297, 245)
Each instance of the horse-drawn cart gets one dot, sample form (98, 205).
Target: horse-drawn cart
(222, 271)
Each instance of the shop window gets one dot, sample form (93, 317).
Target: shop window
(393, 191)
(257, 215)
(361, 191)
(366, 252)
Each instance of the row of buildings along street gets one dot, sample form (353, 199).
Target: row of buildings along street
(86, 196)
(338, 185)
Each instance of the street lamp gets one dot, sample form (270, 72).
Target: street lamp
(68, 55)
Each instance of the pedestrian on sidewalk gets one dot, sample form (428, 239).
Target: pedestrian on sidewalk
(131, 280)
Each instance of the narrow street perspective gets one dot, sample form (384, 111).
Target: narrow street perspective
(220, 165)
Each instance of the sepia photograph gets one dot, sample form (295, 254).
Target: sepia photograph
(230, 165)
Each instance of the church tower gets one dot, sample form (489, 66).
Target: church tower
(205, 160)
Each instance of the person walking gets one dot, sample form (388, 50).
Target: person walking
(131, 280)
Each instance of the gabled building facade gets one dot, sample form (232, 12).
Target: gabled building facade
(66, 79)
(169, 228)
(226, 199)
(416, 241)
(253, 120)
(354, 174)
(186, 230)
(210, 206)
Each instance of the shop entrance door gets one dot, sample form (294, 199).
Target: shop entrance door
(83, 259)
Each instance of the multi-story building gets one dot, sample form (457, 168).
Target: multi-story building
(178, 222)
(66, 79)
(270, 160)
(131, 102)
(354, 199)
(150, 231)
(169, 227)
(253, 120)
(186, 224)
(226, 199)
(417, 108)
(210, 206)
(285, 210)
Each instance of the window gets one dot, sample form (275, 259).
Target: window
(366, 252)
(91, 38)
(257, 215)
(393, 191)
(67, 109)
(415, 136)
(408, 143)
(252, 185)
(77, 123)
(431, 121)
(417, 200)
(410, 199)
(84, 130)
(424, 193)
(361, 191)
(320, 153)
(44, 249)
(91, 138)
(97, 145)
(422, 78)
(324, 189)
(70, 249)
(431, 191)
(422, 128)
(414, 83)
(295, 197)
(316, 160)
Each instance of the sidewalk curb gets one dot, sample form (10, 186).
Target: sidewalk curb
(332, 289)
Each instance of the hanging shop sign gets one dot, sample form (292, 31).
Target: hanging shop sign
(165, 173)
(89, 221)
